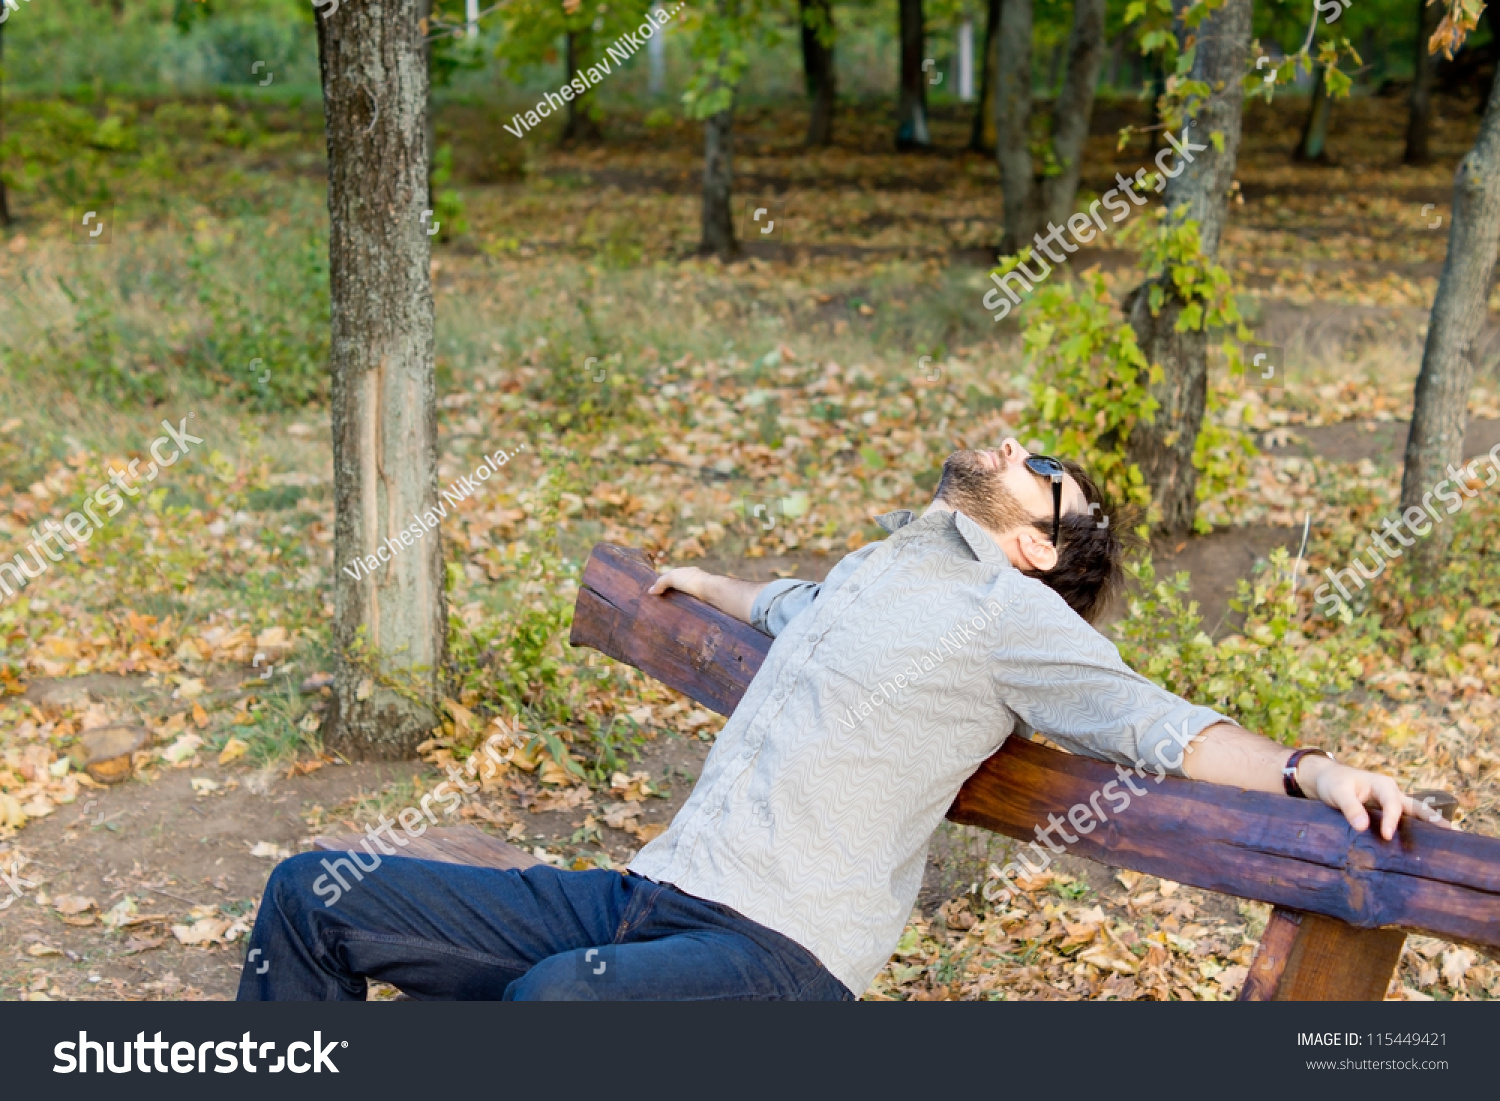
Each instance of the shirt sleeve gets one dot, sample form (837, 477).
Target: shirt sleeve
(779, 602)
(1066, 681)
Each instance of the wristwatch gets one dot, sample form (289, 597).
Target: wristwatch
(1289, 771)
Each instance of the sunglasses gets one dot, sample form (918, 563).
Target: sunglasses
(1045, 466)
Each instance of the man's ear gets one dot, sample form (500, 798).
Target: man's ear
(1036, 552)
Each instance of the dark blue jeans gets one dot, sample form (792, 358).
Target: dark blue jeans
(449, 931)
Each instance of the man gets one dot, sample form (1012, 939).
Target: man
(791, 869)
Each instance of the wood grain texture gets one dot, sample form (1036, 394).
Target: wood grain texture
(1312, 958)
(1290, 852)
(448, 844)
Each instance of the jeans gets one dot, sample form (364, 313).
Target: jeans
(451, 931)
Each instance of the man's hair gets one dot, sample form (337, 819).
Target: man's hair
(1091, 550)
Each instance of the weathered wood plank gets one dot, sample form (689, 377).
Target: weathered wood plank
(449, 844)
(1290, 852)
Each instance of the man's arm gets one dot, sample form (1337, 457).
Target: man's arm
(1228, 754)
(728, 594)
(1068, 682)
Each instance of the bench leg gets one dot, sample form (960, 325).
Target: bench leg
(1312, 958)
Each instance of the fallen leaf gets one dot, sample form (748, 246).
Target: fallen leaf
(269, 850)
(182, 749)
(209, 930)
(72, 904)
(40, 949)
(233, 750)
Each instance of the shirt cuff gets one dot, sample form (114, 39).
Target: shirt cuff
(774, 607)
(1164, 744)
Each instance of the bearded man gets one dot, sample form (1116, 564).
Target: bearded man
(790, 871)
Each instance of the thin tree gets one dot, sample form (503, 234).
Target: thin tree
(1036, 194)
(1312, 144)
(911, 100)
(4, 203)
(1419, 112)
(1163, 448)
(581, 126)
(818, 70)
(390, 613)
(1439, 422)
(982, 131)
(719, 49)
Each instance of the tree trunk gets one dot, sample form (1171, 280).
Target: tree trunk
(911, 104)
(390, 613)
(1310, 146)
(818, 69)
(1163, 449)
(1032, 198)
(982, 133)
(1073, 109)
(1419, 117)
(1013, 125)
(1440, 418)
(4, 204)
(581, 126)
(718, 183)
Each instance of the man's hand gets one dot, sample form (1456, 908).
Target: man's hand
(1228, 754)
(685, 579)
(1349, 789)
(728, 594)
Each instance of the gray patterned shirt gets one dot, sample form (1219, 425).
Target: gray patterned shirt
(888, 684)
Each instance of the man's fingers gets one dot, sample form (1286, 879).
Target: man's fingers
(1354, 811)
(1392, 802)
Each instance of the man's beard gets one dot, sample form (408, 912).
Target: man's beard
(970, 486)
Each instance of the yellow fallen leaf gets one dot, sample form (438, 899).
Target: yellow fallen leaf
(200, 716)
(40, 949)
(233, 750)
(11, 813)
(190, 688)
(202, 932)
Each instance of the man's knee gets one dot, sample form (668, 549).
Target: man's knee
(565, 978)
(302, 879)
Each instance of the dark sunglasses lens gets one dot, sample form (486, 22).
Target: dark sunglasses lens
(1044, 465)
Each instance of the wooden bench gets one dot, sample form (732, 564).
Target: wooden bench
(1343, 900)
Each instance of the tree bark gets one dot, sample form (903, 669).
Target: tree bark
(982, 133)
(1013, 124)
(4, 203)
(1163, 449)
(718, 183)
(1032, 197)
(1419, 116)
(1073, 109)
(1310, 146)
(911, 104)
(1434, 445)
(580, 126)
(818, 69)
(390, 612)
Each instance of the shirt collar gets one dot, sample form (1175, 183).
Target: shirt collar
(979, 541)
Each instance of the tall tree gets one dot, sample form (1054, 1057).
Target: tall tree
(390, 612)
(818, 69)
(1419, 113)
(1312, 145)
(1034, 195)
(1434, 444)
(721, 56)
(911, 100)
(4, 204)
(982, 132)
(1163, 448)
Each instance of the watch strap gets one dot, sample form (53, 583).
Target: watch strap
(1289, 770)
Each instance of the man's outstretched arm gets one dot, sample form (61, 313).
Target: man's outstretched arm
(1229, 754)
(728, 594)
